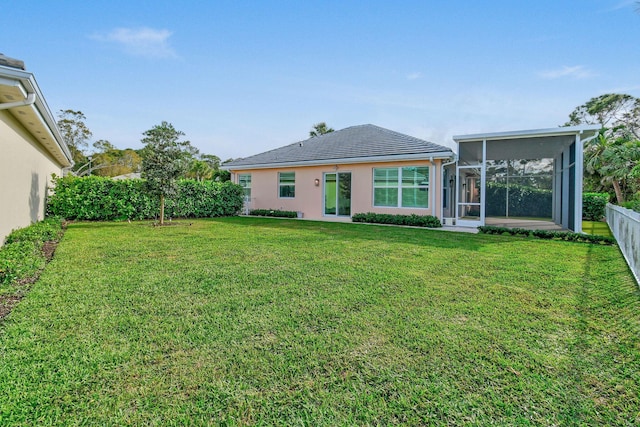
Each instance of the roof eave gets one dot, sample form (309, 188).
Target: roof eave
(339, 161)
(29, 85)
(568, 130)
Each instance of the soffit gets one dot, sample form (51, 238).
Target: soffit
(31, 119)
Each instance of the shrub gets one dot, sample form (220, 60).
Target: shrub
(593, 205)
(523, 200)
(548, 234)
(412, 220)
(274, 213)
(44, 231)
(99, 198)
(633, 205)
(22, 255)
(19, 260)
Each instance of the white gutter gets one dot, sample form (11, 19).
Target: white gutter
(339, 161)
(27, 83)
(31, 98)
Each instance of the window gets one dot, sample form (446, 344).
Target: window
(406, 187)
(287, 183)
(244, 179)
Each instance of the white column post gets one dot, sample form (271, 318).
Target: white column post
(578, 185)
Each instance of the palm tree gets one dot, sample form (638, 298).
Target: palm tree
(611, 160)
(319, 129)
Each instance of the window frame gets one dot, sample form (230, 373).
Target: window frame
(282, 185)
(400, 186)
(247, 194)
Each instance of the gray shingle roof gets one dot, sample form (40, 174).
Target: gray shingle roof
(363, 141)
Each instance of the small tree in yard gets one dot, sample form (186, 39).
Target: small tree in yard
(164, 159)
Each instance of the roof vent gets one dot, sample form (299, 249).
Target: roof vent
(10, 62)
(300, 144)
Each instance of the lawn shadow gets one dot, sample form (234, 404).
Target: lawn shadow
(613, 305)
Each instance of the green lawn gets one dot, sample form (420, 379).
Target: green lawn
(597, 228)
(255, 321)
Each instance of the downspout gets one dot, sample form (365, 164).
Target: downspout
(453, 161)
(31, 98)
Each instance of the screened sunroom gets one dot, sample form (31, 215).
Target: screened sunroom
(527, 179)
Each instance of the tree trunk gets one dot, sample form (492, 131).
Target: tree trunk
(162, 209)
(616, 188)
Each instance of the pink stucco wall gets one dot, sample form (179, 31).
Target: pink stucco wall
(309, 197)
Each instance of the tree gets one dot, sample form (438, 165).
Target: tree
(75, 133)
(199, 170)
(319, 129)
(212, 160)
(164, 159)
(618, 113)
(610, 157)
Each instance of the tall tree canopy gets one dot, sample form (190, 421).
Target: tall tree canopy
(75, 133)
(617, 113)
(319, 129)
(165, 158)
(612, 159)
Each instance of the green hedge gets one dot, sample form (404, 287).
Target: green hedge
(593, 205)
(21, 256)
(274, 213)
(548, 234)
(413, 220)
(523, 200)
(99, 198)
(633, 205)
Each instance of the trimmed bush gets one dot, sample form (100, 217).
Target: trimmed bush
(548, 234)
(412, 220)
(274, 213)
(44, 231)
(593, 205)
(104, 199)
(22, 257)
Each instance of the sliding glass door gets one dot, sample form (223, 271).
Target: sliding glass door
(337, 194)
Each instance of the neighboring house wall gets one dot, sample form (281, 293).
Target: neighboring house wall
(25, 170)
(309, 198)
(625, 226)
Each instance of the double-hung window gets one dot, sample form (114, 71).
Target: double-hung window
(287, 184)
(405, 187)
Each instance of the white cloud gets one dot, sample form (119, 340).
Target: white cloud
(147, 42)
(624, 4)
(576, 72)
(414, 76)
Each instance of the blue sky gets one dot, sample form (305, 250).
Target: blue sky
(243, 77)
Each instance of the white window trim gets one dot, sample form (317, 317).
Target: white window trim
(280, 185)
(400, 187)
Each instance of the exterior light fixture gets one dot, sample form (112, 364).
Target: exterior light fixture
(316, 182)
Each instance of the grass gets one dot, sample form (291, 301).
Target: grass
(596, 228)
(255, 321)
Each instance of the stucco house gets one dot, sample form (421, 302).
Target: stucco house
(493, 178)
(32, 148)
(362, 168)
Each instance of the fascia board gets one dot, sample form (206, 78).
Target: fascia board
(27, 82)
(341, 161)
(569, 130)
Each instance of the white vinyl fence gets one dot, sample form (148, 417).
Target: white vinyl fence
(625, 226)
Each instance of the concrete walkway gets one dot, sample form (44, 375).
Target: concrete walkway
(528, 224)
